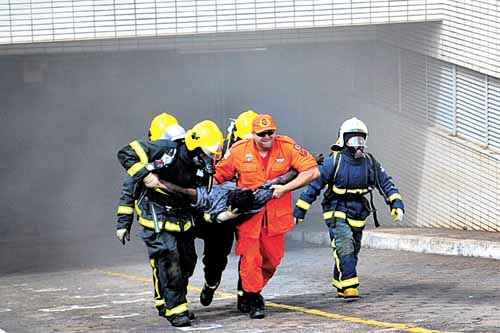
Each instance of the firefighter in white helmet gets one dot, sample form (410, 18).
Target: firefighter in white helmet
(349, 174)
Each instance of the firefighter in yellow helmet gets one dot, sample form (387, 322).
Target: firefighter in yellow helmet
(166, 219)
(166, 127)
(163, 126)
(240, 128)
(218, 238)
(160, 124)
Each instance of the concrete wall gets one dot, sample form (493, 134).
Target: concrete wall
(65, 116)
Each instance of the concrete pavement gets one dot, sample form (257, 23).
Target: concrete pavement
(401, 292)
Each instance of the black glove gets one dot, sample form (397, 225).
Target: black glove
(320, 158)
(299, 214)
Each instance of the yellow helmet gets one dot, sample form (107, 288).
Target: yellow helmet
(243, 124)
(206, 136)
(160, 125)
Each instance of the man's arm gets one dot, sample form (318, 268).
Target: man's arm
(225, 170)
(389, 191)
(125, 211)
(281, 180)
(302, 179)
(189, 193)
(134, 158)
(304, 163)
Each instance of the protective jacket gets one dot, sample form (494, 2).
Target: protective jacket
(244, 162)
(125, 212)
(348, 180)
(170, 160)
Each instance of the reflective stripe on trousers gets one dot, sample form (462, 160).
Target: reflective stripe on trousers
(346, 244)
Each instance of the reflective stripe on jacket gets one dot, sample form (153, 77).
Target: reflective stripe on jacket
(352, 179)
(172, 213)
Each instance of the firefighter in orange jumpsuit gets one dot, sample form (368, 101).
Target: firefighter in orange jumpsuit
(261, 239)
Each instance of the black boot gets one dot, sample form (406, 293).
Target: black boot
(180, 320)
(243, 302)
(207, 294)
(257, 306)
(162, 309)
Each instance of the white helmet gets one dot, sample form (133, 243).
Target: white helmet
(175, 132)
(353, 125)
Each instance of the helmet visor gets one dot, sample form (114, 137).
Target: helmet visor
(356, 141)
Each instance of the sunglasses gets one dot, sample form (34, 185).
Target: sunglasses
(264, 133)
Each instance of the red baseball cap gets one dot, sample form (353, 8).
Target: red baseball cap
(263, 122)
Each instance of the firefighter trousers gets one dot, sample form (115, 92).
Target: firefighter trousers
(346, 244)
(172, 258)
(218, 242)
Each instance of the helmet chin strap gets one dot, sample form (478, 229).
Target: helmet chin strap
(206, 162)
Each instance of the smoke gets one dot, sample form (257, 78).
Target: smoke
(62, 127)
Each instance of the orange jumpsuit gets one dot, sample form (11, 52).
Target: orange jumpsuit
(261, 239)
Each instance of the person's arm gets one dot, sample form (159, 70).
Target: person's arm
(390, 192)
(225, 170)
(125, 211)
(311, 192)
(134, 158)
(304, 163)
(140, 159)
(189, 193)
(281, 180)
(292, 174)
(302, 179)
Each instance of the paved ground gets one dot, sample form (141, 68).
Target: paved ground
(402, 292)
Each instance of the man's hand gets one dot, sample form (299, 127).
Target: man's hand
(151, 180)
(279, 191)
(123, 234)
(397, 214)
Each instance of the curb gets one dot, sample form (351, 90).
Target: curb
(411, 243)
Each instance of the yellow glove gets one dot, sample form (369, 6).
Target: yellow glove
(397, 214)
